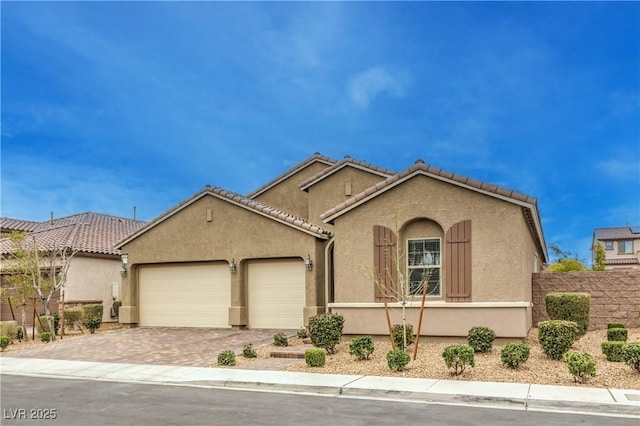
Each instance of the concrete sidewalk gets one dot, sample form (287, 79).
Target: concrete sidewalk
(507, 395)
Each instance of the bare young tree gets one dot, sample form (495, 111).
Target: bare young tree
(397, 285)
(43, 268)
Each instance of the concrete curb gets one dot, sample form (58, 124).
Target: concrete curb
(518, 396)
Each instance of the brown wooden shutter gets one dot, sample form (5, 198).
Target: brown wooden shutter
(458, 262)
(384, 267)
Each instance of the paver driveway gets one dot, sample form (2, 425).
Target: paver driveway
(196, 347)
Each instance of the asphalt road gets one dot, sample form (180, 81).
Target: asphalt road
(28, 400)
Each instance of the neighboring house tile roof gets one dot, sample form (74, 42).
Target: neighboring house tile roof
(622, 261)
(530, 204)
(345, 162)
(241, 201)
(619, 233)
(88, 232)
(317, 157)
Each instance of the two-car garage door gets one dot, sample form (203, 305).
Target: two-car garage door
(192, 295)
(199, 295)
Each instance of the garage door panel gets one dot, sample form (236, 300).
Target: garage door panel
(185, 295)
(276, 293)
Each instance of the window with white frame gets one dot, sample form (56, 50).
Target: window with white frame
(625, 247)
(423, 265)
(608, 245)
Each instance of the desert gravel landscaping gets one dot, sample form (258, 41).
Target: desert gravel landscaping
(430, 364)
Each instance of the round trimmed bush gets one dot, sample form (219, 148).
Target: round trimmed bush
(302, 333)
(513, 355)
(398, 333)
(325, 331)
(615, 325)
(613, 351)
(632, 355)
(315, 357)
(9, 329)
(45, 336)
(227, 358)
(280, 339)
(617, 334)
(4, 342)
(93, 324)
(570, 307)
(458, 357)
(556, 337)
(481, 339)
(581, 365)
(248, 351)
(361, 347)
(397, 359)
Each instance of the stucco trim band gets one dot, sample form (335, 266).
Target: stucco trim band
(447, 305)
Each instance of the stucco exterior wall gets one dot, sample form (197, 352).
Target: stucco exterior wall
(287, 195)
(503, 251)
(93, 279)
(331, 191)
(615, 295)
(233, 233)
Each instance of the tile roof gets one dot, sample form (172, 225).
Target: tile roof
(529, 204)
(345, 162)
(622, 261)
(241, 201)
(316, 157)
(86, 232)
(421, 168)
(619, 233)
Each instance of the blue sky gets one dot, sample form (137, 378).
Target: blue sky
(115, 104)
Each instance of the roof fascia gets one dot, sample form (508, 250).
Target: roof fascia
(324, 160)
(532, 207)
(197, 197)
(342, 166)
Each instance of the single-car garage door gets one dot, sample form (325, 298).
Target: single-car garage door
(193, 295)
(276, 293)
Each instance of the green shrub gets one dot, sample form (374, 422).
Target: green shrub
(4, 342)
(302, 333)
(570, 307)
(93, 324)
(325, 331)
(43, 324)
(280, 339)
(617, 334)
(93, 310)
(397, 359)
(315, 357)
(556, 337)
(513, 355)
(581, 365)
(9, 329)
(227, 358)
(248, 351)
(73, 316)
(56, 322)
(116, 306)
(615, 325)
(481, 339)
(398, 333)
(458, 357)
(361, 347)
(632, 355)
(613, 351)
(45, 336)
(21, 335)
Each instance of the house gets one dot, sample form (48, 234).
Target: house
(340, 236)
(621, 246)
(94, 272)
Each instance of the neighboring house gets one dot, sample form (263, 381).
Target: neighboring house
(321, 237)
(621, 246)
(94, 272)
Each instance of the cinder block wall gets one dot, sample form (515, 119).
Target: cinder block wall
(615, 295)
